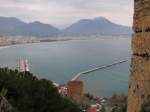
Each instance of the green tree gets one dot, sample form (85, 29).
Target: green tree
(119, 103)
(27, 93)
(3, 92)
(103, 109)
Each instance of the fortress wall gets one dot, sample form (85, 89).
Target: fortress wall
(141, 37)
(139, 83)
(141, 8)
(75, 90)
(141, 27)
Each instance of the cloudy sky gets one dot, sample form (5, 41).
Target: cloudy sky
(62, 13)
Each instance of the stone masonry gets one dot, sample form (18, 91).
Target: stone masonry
(75, 90)
(141, 28)
(139, 83)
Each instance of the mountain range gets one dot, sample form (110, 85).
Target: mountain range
(10, 26)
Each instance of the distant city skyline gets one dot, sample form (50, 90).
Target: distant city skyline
(62, 13)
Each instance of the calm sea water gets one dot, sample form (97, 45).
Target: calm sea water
(60, 61)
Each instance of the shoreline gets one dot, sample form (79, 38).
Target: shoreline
(5, 45)
(41, 41)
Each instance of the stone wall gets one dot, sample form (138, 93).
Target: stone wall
(141, 8)
(141, 37)
(139, 83)
(75, 90)
(141, 27)
(91, 109)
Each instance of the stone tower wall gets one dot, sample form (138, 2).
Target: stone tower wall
(139, 83)
(75, 90)
(91, 109)
(141, 28)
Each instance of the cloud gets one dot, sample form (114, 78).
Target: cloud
(64, 12)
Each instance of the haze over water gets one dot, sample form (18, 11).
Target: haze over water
(61, 61)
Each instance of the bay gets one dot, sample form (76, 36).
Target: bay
(61, 61)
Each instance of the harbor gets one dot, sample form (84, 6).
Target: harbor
(61, 61)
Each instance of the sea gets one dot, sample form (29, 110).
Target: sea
(60, 61)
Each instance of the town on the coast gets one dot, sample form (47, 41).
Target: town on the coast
(74, 89)
(20, 85)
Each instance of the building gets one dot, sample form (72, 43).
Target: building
(75, 90)
(62, 90)
(91, 109)
(23, 66)
(139, 83)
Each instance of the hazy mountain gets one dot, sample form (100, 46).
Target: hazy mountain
(98, 25)
(9, 25)
(15, 27)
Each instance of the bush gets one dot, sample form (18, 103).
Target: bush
(119, 103)
(26, 93)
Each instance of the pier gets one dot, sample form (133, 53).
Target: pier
(96, 69)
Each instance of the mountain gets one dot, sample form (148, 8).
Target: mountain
(98, 25)
(14, 27)
(11, 26)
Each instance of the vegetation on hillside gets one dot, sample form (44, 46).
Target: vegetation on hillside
(26, 93)
(146, 106)
(118, 103)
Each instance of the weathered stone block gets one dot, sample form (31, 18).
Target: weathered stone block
(139, 83)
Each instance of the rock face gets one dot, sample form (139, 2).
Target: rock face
(139, 83)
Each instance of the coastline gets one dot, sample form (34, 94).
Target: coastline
(6, 42)
(48, 59)
(10, 42)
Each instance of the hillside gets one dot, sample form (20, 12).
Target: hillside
(26, 93)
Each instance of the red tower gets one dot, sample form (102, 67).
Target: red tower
(75, 90)
(91, 109)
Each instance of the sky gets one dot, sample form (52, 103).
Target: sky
(62, 13)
